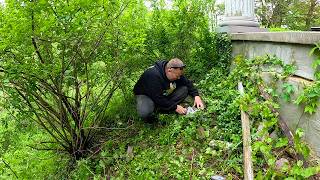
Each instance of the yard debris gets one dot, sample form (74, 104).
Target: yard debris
(201, 132)
(191, 110)
(217, 144)
(217, 177)
(130, 152)
(282, 163)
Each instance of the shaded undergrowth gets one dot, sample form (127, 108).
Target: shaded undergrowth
(199, 145)
(208, 142)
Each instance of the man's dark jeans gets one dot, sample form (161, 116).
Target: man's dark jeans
(146, 107)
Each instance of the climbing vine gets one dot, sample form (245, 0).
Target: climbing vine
(311, 94)
(273, 155)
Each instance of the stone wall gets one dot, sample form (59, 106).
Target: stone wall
(291, 47)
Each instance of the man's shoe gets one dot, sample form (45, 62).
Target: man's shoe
(151, 119)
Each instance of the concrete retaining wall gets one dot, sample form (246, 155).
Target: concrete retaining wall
(291, 47)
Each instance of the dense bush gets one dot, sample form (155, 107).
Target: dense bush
(183, 32)
(62, 63)
(67, 71)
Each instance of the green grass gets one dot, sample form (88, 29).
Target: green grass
(176, 147)
(19, 158)
(200, 145)
(172, 148)
(278, 29)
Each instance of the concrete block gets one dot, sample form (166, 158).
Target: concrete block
(294, 115)
(298, 54)
(240, 29)
(304, 37)
(291, 47)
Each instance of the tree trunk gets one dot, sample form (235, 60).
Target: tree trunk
(279, 12)
(310, 14)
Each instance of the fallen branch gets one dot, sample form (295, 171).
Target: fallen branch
(191, 166)
(45, 149)
(283, 126)
(107, 128)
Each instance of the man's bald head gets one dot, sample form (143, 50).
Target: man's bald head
(175, 63)
(174, 69)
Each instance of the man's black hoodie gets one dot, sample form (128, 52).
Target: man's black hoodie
(154, 83)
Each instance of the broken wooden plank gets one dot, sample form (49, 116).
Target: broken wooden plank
(247, 159)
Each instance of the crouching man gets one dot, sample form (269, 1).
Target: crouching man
(163, 86)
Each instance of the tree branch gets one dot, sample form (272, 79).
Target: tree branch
(39, 118)
(8, 166)
(33, 39)
(45, 149)
(101, 36)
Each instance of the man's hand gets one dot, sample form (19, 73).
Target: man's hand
(198, 102)
(181, 110)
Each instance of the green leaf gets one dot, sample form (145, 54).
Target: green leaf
(313, 50)
(309, 172)
(316, 63)
(299, 163)
(300, 99)
(281, 142)
(299, 132)
(290, 178)
(309, 109)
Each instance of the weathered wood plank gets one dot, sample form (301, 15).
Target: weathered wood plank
(247, 160)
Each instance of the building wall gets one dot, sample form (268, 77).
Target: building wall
(291, 47)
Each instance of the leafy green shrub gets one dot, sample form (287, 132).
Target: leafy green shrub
(277, 29)
(61, 63)
(183, 32)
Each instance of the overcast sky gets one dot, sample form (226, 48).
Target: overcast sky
(220, 1)
(168, 1)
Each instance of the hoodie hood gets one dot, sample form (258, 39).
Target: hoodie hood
(160, 66)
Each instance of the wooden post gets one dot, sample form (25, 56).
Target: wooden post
(247, 160)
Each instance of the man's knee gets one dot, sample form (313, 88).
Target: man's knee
(180, 94)
(145, 106)
(145, 113)
(184, 91)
